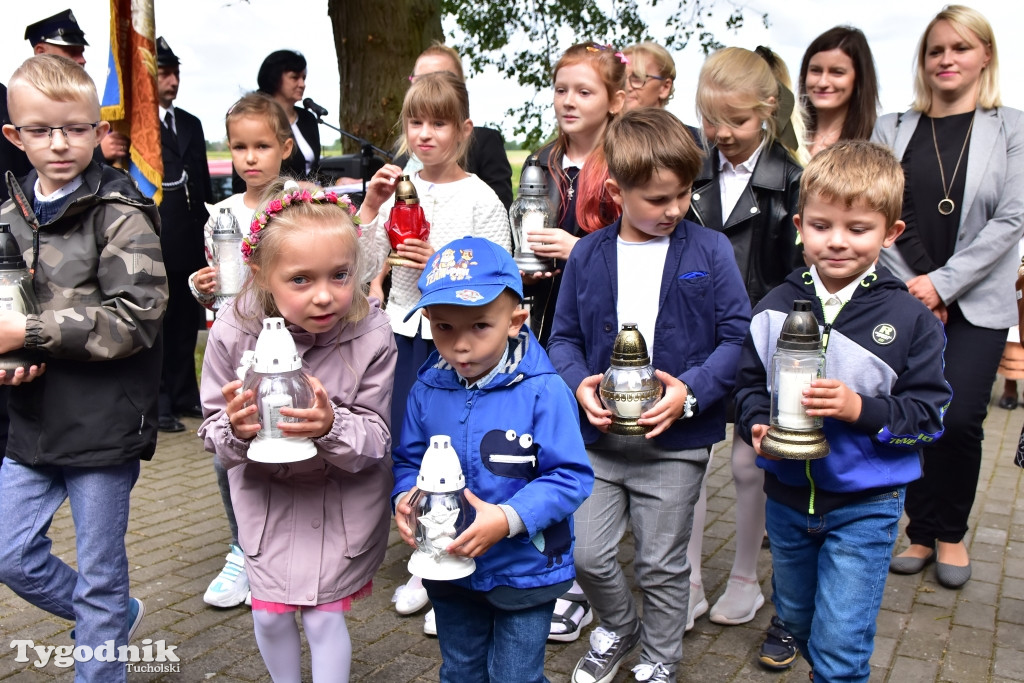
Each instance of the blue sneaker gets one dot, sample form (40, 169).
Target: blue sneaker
(136, 610)
(232, 584)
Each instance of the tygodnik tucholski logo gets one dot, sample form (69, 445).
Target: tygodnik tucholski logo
(153, 657)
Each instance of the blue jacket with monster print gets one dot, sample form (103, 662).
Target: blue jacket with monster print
(519, 444)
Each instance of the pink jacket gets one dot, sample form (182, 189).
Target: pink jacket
(314, 531)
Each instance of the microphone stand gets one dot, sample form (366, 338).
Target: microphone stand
(368, 150)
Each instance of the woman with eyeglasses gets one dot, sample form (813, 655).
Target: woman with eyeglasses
(650, 76)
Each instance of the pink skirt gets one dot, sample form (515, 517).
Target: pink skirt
(343, 605)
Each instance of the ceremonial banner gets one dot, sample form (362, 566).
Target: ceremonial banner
(129, 96)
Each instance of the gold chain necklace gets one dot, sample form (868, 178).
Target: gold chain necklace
(946, 204)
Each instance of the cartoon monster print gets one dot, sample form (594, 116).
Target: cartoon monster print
(507, 454)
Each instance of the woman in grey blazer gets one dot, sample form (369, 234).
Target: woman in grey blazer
(963, 156)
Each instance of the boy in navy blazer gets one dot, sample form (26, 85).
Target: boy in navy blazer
(679, 282)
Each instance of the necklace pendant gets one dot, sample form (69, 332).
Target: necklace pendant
(946, 206)
(572, 191)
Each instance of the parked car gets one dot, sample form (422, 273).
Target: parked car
(220, 178)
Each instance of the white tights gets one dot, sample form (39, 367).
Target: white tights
(277, 636)
(750, 501)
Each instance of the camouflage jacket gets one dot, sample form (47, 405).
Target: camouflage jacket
(102, 289)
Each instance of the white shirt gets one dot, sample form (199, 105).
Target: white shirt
(640, 265)
(733, 180)
(174, 117)
(59, 193)
(304, 147)
(831, 303)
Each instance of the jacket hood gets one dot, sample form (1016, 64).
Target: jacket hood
(525, 359)
(100, 184)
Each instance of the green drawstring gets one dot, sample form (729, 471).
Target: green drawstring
(807, 471)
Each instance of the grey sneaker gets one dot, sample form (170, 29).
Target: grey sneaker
(607, 650)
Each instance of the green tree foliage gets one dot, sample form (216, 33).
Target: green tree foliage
(523, 39)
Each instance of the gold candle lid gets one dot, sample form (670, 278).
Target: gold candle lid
(405, 191)
(630, 349)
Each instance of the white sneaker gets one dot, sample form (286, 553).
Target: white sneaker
(430, 624)
(739, 603)
(698, 605)
(231, 586)
(651, 673)
(410, 597)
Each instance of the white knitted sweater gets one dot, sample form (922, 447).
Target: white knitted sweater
(464, 207)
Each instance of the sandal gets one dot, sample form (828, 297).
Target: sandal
(572, 613)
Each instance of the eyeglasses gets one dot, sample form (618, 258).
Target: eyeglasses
(73, 132)
(635, 82)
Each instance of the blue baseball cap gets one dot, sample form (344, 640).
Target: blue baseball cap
(471, 271)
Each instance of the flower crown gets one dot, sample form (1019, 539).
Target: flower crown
(293, 194)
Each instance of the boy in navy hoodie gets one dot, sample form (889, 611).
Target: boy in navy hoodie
(833, 521)
(680, 283)
(490, 387)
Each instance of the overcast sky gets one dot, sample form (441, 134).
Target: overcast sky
(221, 44)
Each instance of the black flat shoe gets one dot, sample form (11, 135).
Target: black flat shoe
(191, 411)
(170, 425)
(1008, 402)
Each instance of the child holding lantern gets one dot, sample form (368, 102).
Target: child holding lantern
(833, 521)
(693, 321)
(490, 387)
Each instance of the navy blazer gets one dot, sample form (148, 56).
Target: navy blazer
(703, 317)
(980, 274)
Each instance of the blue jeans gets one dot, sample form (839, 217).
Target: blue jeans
(829, 574)
(96, 596)
(482, 643)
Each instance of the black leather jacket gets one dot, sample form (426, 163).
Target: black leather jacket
(760, 227)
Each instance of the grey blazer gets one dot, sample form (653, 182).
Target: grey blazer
(981, 273)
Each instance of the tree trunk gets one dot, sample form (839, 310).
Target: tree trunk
(377, 42)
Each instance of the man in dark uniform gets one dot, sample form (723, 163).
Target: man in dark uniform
(61, 35)
(186, 189)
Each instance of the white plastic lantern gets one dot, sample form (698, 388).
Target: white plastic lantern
(440, 512)
(231, 268)
(277, 380)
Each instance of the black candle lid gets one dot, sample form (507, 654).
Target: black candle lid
(10, 253)
(800, 330)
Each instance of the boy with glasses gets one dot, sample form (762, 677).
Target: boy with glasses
(86, 414)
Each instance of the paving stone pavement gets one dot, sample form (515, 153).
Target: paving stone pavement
(178, 537)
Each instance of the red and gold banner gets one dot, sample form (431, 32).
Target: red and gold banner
(129, 96)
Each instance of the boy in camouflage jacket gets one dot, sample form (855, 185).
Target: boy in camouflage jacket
(83, 413)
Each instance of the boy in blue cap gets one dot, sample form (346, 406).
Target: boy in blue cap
(490, 387)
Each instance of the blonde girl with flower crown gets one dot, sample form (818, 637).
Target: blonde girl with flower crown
(313, 532)
(260, 139)
(436, 128)
(748, 189)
